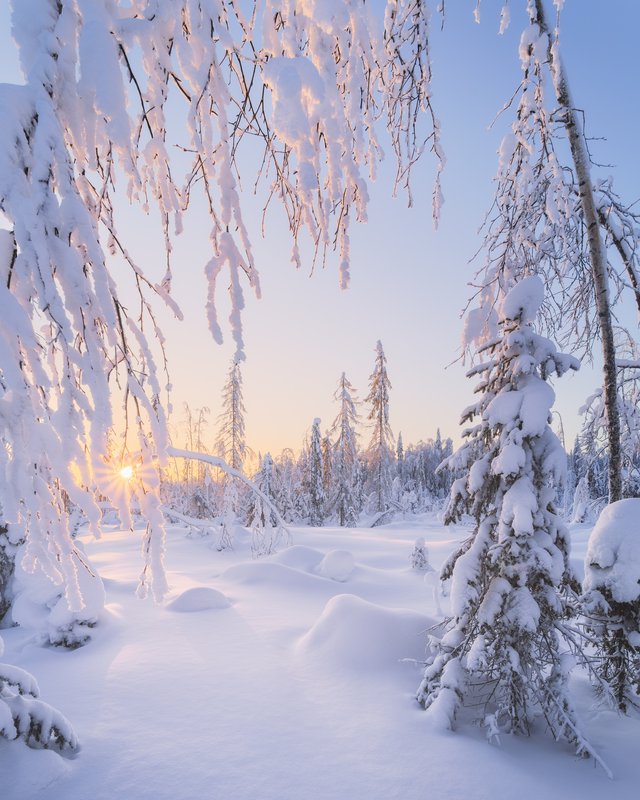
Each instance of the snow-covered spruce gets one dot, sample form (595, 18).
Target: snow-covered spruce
(611, 600)
(317, 496)
(380, 451)
(501, 652)
(344, 501)
(419, 557)
(267, 529)
(24, 716)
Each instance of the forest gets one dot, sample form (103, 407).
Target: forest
(195, 611)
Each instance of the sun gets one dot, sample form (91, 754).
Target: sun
(126, 473)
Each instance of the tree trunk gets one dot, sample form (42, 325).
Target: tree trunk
(7, 567)
(598, 258)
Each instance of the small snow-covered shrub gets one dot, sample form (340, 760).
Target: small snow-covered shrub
(420, 556)
(611, 600)
(24, 716)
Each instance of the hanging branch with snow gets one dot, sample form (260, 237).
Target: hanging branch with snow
(153, 102)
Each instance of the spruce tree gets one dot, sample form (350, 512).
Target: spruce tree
(344, 500)
(611, 602)
(316, 472)
(380, 450)
(231, 446)
(231, 442)
(511, 579)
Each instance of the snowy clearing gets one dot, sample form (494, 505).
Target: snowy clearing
(284, 678)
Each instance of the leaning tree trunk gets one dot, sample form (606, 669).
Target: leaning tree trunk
(598, 258)
(7, 568)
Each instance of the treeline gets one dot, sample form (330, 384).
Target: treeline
(335, 478)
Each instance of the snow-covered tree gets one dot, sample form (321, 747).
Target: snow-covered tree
(267, 530)
(288, 486)
(400, 457)
(594, 427)
(231, 442)
(229, 516)
(8, 551)
(317, 497)
(344, 501)
(419, 557)
(510, 579)
(380, 450)
(611, 601)
(231, 446)
(109, 89)
(551, 217)
(24, 716)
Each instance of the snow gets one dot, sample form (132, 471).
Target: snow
(524, 300)
(199, 598)
(302, 687)
(613, 554)
(337, 565)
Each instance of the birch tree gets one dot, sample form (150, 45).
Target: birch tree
(551, 217)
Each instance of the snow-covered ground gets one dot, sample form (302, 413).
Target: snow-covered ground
(286, 678)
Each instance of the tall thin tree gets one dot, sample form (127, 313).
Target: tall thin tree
(380, 450)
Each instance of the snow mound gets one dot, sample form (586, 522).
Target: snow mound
(299, 556)
(198, 598)
(337, 565)
(613, 552)
(355, 634)
(270, 573)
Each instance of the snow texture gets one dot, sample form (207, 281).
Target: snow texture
(198, 598)
(338, 565)
(612, 562)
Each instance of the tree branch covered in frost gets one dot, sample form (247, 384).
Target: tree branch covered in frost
(536, 224)
(281, 532)
(594, 431)
(24, 716)
(153, 101)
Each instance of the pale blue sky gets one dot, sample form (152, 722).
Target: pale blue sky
(408, 282)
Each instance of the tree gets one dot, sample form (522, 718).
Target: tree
(267, 527)
(93, 114)
(549, 217)
(24, 716)
(511, 578)
(315, 477)
(611, 602)
(231, 442)
(344, 501)
(380, 450)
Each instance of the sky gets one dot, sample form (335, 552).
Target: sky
(409, 283)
